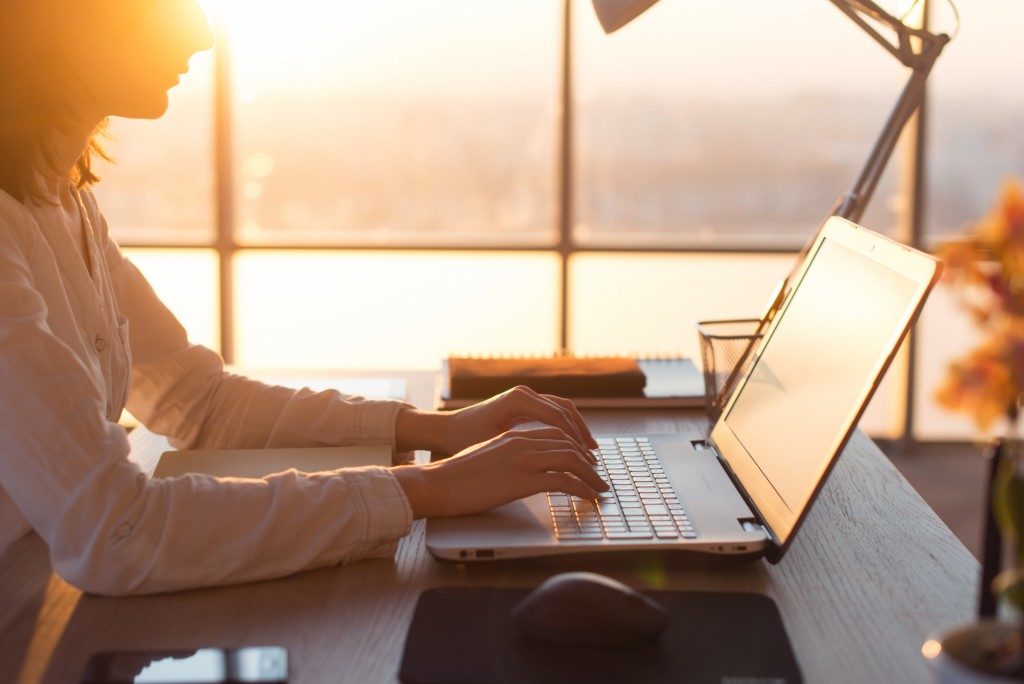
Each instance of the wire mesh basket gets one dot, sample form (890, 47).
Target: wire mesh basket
(726, 350)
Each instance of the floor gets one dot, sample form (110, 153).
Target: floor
(950, 478)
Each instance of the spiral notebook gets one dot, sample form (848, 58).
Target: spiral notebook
(671, 382)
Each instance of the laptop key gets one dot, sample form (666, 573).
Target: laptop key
(655, 509)
(630, 535)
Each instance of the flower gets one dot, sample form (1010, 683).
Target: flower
(986, 271)
(986, 382)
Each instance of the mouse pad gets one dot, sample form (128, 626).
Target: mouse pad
(463, 635)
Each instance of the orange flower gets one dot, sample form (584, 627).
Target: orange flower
(962, 258)
(981, 384)
(986, 270)
(1005, 225)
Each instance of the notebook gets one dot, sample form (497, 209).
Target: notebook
(670, 382)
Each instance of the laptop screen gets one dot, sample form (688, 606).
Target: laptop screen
(816, 368)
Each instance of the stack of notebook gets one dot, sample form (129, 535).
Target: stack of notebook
(591, 382)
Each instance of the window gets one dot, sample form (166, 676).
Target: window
(186, 281)
(395, 122)
(159, 191)
(380, 146)
(371, 310)
(727, 123)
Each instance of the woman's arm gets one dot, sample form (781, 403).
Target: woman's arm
(112, 530)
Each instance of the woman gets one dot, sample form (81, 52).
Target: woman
(69, 365)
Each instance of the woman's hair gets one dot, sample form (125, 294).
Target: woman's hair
(37, 100)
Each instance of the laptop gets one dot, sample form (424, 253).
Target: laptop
(745, 489)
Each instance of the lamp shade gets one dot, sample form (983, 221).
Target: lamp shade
(614, 14)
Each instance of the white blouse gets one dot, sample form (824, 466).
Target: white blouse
(67, 363)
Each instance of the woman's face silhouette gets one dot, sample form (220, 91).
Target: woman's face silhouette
(126, 54)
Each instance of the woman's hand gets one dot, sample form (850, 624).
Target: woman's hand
(505, 468)
(454, 431)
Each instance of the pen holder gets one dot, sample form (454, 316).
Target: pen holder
(726, 350)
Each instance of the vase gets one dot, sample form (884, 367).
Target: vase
(984, 652)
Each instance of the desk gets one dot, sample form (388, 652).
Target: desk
(873, 571)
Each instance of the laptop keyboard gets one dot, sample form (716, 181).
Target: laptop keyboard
(640, 505)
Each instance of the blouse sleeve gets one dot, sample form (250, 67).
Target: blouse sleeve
(182, 390)
(112, 530)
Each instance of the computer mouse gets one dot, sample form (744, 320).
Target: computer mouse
(587, 609)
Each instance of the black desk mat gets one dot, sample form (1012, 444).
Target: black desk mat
(464, 635)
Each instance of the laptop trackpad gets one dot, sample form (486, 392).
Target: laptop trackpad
(520, 523)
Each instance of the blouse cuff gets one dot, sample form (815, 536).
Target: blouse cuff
(376, 421)
(387, 510)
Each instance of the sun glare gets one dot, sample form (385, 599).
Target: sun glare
(378, 45)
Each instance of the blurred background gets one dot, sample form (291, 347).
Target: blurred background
(399, 180)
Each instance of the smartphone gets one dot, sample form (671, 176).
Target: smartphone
(260, 664)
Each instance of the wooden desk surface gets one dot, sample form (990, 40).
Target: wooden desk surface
(872, 573)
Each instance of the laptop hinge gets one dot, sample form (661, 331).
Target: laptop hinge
(751, 525)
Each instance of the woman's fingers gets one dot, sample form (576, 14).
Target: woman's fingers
(565, 483)
(543, 432)
(576, 416)
(533, 405)
(568, 461)
(520, 440)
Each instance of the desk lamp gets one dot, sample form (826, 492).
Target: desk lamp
(915, 48)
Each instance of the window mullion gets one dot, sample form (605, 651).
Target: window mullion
(224, 186)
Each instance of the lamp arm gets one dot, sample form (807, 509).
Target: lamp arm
(903, 49)
(855, 201)
(852, 203)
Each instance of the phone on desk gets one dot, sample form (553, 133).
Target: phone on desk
(257, 664)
